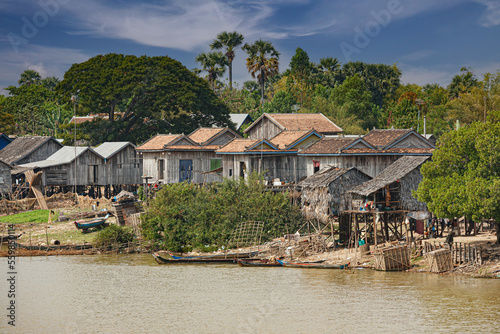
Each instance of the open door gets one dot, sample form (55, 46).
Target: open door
(185, 170)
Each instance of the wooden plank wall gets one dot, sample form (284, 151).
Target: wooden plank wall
(125, 167)
(41, 153)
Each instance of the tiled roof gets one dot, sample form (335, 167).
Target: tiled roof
(192, 147)
(157, 142)
(383, 137)
(329, 145)
(238, 145)
(317, 122)
(285, 138)
(202, 135)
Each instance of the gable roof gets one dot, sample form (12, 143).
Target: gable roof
(381, 138)
(158, 142)
(295, 121)
(248, 146)
(204, 136)
(325, 176)
(397, 170)
(5, 137)
(287, 139)
(63, 156)
(240, 119)
(108, 149)
(21, 147)
(329, 145)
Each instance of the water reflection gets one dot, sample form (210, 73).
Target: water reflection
(132, 294)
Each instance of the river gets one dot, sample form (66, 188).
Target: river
(133, 294)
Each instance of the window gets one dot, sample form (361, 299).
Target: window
(316, 165)
(230, 172)
(161, 168)
(215, 163)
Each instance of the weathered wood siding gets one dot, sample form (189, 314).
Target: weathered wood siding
(413, 141)
(89, 171)
(45, 150)
(223, 139)
(201, 163)
(368, 164)
(264, 129)
(5, 178)
(124, 167)
(150, 165)
(287, 168)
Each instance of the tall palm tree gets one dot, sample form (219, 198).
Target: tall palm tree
(214, 63)
(262, 59)
(228, 41)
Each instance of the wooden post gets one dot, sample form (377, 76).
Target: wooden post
(375, 228)
(356, 232)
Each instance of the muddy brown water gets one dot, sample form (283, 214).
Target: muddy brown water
(133, 294)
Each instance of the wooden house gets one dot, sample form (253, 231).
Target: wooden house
(324, 194)
(122, 165)
(392, 189)
(177, 158)
(24, 150)
(59, 169)
(268, 126)
(371, 153)
(5, 178)
(276, 157)
(4, 140)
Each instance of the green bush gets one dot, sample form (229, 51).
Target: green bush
(184, 216)
(112, 235)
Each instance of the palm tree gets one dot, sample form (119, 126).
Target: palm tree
(229, 41)
(214, 63)
(262, 59)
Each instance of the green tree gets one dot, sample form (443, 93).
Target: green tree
(462, 83)
(150, 95)
(300, 66)
(228, 41)
(214, 63)
(463, 178)
(262, 62)
(29, 77)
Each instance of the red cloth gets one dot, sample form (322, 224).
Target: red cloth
(420, 227)
(316, 163)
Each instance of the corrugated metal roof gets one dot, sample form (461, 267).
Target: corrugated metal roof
(108, 149)
(397, 170)
(64, 156)
(239, 119)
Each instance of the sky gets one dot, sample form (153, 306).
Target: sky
(428, 40)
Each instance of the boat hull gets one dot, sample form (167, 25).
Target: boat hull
(162, 260)
(313, 265)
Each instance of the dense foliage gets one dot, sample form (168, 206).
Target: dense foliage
(183, 216)
(463, 178)
(113, 235)
(142, 96)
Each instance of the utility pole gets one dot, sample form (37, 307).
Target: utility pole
(74, 99)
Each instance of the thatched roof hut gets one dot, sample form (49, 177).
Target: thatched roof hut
(325, 193)
(393, 187)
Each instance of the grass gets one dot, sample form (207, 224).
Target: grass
(65, 237)
(35, 216)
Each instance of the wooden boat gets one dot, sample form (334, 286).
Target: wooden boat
(6, 238)
(244, 255)
(258, 263)
(313, 265)
(201, 260)
(52, 247)
(82, 225)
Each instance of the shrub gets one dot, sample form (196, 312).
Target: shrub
(112, 235)
(184, 215)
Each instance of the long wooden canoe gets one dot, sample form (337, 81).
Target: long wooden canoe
(258, 263)
(244, 255)
(313, 265)
(162, 260)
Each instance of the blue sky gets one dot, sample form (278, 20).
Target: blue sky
(429, 40)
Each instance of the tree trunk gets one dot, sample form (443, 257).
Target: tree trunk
(231, 75)
(497, 228)
(261, 88)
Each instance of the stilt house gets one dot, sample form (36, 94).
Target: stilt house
(24, 150)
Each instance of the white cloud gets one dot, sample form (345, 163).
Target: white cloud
(491, 16)
(48, 61)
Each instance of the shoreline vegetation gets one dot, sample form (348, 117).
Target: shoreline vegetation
(67, 235)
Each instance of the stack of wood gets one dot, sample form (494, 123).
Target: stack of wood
(392, 258)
